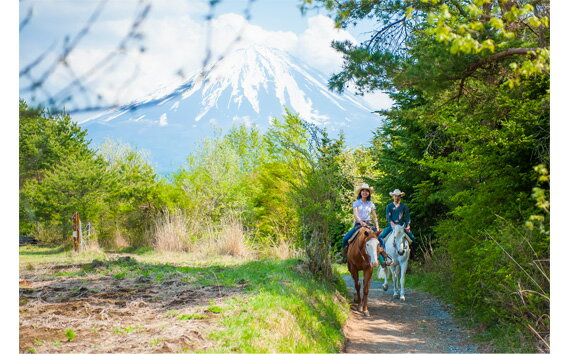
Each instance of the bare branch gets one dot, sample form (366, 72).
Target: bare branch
(27, 19)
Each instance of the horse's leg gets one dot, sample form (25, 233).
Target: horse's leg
(356, 278)
(402, 281)
(385, 283)
(395, 274)
(367, 281)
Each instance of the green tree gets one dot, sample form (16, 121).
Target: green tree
(317, 190)
(79, 185)
(46, 140)
(470, 82)
(137, 198)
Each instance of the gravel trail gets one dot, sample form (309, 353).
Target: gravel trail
(422, 324)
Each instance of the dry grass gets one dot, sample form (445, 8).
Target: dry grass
(229, 240)
(170, 232)
(282, 250)
(177, 232)
(90, 245)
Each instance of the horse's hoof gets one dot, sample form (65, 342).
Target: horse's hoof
(385, 286)
(402, 298)
(366, 314)
(395, 296)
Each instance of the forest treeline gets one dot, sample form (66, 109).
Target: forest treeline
(467, 140)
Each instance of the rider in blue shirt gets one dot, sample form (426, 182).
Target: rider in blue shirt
(397, 213)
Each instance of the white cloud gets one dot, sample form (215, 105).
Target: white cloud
(163, 120)
(175, 40)
(314, 45)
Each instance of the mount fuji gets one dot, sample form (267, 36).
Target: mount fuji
(250, 86)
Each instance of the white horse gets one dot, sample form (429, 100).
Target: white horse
(397, 247)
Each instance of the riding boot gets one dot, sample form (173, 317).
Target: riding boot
(388, 260)
(344, 259)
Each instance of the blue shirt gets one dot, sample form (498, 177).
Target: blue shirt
(399, 215)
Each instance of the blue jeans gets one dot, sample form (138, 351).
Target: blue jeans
(356, 227)
(388, 229)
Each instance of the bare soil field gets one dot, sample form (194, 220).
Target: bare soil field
(114, 315)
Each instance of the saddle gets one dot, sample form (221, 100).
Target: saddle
(355, 235)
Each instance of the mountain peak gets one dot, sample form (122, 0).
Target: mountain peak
(250, 86)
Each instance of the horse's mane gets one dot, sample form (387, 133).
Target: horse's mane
(360, 240)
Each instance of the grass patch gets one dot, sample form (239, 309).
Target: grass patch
(125, 330)
(287, 311)
(70, 334)
(214, 309)
(193, 316)
(34, 256)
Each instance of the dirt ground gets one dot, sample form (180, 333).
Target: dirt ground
(109, 315)
(420, 324)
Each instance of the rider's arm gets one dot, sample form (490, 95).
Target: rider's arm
(407, 218)
(356, 216)
(375, 219)
(388, 215)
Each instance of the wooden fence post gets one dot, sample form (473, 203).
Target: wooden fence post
(76, 231)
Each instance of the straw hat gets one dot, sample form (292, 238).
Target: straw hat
(396, 192)
(364, 186)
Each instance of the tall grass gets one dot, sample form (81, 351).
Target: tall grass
(177, 232)
(170, 231)
(232, 239)
(281, 249)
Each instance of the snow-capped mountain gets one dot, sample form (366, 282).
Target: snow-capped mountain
(250, 86)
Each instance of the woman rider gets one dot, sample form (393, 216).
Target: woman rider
(364, 209)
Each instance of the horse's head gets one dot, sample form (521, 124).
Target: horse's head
(398, 235)
(372, 244)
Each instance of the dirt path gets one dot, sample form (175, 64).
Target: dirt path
(420, 324)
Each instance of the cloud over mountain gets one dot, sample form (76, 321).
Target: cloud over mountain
(250, 86)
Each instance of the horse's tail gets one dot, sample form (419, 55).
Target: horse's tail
(381, 274)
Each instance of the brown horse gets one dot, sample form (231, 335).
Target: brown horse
(362, 255)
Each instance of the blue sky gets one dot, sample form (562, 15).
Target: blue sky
(176, 36)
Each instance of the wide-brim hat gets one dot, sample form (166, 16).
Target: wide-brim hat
(396, 192)
(364, 186)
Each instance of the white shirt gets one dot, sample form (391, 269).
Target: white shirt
(364, 209)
